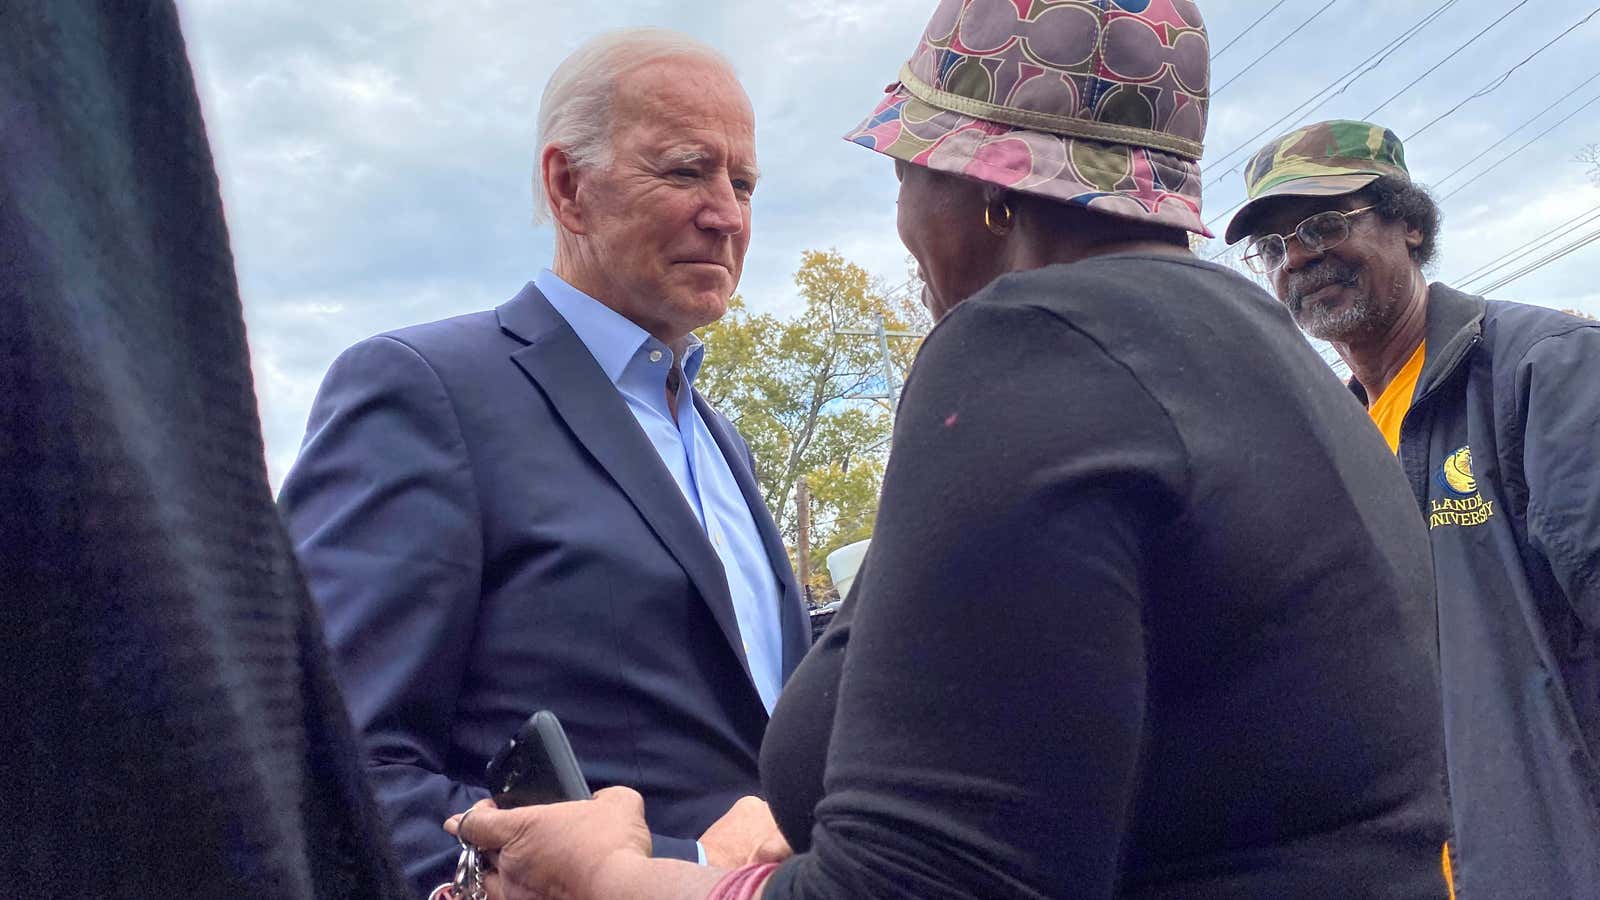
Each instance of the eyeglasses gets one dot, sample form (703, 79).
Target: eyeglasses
(1318, 233)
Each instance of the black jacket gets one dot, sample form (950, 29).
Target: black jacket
(1502, 449)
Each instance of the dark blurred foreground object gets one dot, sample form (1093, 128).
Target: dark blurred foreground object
(169, 722)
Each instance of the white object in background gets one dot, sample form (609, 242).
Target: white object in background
(843, 563)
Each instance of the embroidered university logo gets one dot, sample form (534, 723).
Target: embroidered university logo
(1462, 505)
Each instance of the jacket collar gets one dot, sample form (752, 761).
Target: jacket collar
(529, 316)
(613, 340)
(1455, 320)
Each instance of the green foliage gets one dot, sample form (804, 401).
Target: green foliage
(792, 386)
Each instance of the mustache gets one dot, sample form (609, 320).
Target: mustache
(1315, 278)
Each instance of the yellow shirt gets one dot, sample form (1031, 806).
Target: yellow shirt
(1387, 414)
(1390, 409)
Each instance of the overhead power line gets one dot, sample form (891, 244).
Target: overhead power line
(1584, 241)
(1524, 250)
(1452, 54)
(1359, 71)
(1383, 55)
(1273, 48)
(1531, 141)
(1251, 27)
(1226, 249)
(1485, 151)
(1495, 84)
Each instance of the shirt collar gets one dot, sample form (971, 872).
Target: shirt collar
(611, 338)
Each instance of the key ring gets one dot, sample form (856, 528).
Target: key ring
(468, 881)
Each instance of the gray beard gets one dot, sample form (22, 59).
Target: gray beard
(1339, 326)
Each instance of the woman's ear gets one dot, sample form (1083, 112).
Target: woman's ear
(999, 213)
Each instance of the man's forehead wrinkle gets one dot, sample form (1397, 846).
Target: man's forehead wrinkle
(685, 155)
(688, 154)
(694, 151)
(683, 112)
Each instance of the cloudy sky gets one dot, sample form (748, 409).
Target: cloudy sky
(376, 155)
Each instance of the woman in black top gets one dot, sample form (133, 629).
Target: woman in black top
(1147, 612)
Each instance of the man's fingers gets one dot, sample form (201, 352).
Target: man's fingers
(625, 797)
(773, 849)
(453, 824)
(486, 826)
(749, 802)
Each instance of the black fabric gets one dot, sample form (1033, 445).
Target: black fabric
(1147, 614)
(1508, 399)
(170, 721)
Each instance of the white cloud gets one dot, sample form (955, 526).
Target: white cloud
(375, 154)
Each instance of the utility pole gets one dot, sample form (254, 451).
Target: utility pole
(802, 502)
(891, 387)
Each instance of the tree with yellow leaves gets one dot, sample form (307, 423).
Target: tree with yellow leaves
(793, 388)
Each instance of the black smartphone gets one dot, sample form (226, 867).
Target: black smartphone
(536, 766)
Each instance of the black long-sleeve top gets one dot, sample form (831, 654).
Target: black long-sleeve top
(1147, 613)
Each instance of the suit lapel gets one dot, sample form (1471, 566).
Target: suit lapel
(791, 608)
(589, 403)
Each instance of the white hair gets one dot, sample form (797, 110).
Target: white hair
(575, 110)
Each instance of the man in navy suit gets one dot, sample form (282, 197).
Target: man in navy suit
(531, 507)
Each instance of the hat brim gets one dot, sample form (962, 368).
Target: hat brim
(1309, 186)
(1128, 182)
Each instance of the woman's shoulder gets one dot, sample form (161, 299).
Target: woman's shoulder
(1146, 288)
(1133, 306)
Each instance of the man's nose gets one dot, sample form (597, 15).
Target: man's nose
(722, 211)
(1295, 254)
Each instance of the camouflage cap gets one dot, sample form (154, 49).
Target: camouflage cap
(1327, 159)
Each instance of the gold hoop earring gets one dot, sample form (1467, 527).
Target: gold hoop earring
(1003, 228)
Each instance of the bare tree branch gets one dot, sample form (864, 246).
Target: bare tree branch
(1590, 155)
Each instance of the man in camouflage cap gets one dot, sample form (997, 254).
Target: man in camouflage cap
(1494, 411)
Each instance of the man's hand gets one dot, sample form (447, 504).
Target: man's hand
(745, 833)
(773, 850)
(558, 850)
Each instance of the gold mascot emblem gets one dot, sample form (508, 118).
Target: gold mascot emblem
(1458, 471)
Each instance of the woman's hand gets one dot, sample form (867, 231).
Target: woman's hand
(558, 851)
(741, 834)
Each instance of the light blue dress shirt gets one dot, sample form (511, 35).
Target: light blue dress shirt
(638, 364)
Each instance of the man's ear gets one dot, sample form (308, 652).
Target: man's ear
(562, 184)
(1413, 236)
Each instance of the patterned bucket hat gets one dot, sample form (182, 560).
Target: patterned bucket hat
(1328, 159)
(1100, 103)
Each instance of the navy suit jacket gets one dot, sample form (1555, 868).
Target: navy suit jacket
(488, 532)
